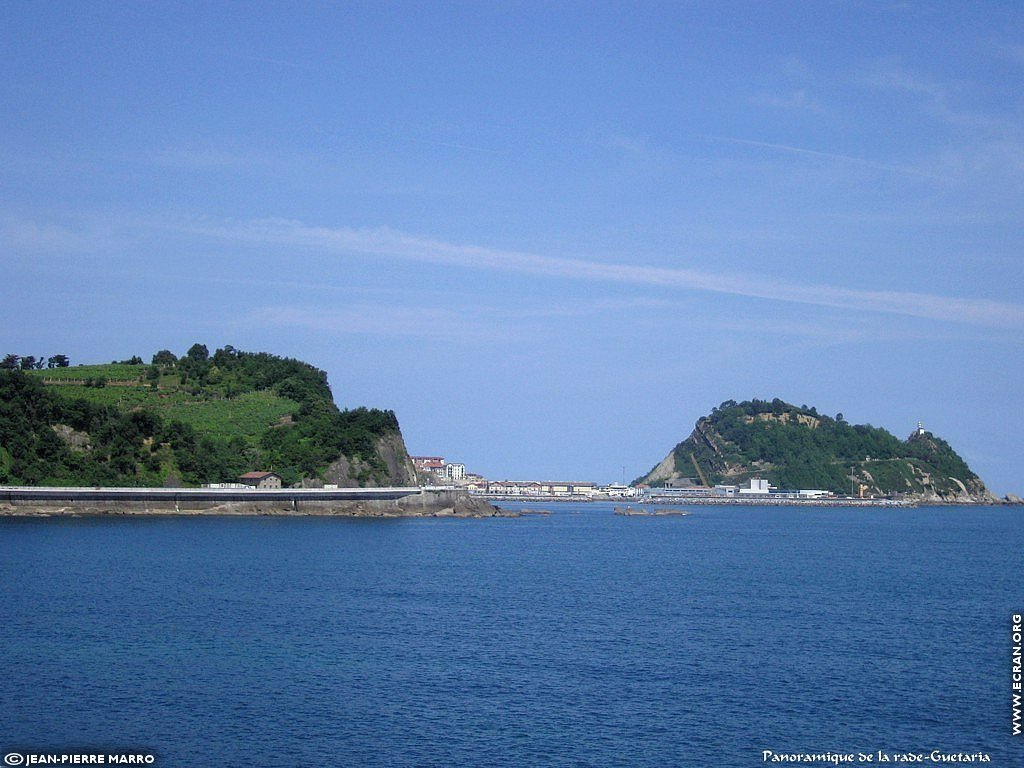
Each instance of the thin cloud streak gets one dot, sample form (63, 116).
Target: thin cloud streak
(452, 145)
(935, 98)
(390, 243)
(420, 323)
(828, 156)
(22, 237)
(793, 100)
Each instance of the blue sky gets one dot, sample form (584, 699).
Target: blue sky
(549, 236)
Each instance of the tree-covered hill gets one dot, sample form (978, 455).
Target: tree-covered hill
(796, 447)
(195, 419)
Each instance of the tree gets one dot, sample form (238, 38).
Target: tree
(28, 362)
(10, 362)
(58, 361)
(165, 357)
(225, 357)
(198, 352)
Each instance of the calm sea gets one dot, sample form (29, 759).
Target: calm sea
(579, 639)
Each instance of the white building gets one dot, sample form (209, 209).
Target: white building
(536, 489)
(616, 490)
(758, 486)
(454, 471)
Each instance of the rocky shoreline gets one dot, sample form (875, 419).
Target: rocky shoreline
(426, 504)
(452, 504)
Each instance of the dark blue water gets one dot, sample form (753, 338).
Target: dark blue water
(579, 639)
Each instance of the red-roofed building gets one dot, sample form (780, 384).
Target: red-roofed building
(428, 464)
(261, 479)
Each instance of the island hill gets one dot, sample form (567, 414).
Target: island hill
(194, 420)
(794, 447)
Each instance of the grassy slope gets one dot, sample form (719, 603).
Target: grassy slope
(194, 419)
(81, 372)
(247, 415)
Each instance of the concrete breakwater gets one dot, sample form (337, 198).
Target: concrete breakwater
(767, 501)
(341, 502)
(764, 500)
(649, 512)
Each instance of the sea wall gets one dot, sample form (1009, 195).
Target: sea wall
(422, 504)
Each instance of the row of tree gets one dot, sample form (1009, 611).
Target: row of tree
(31, 362)
(229, 372)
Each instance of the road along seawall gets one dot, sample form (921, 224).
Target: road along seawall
(356, 502)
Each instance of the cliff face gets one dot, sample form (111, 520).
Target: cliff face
(960, 487)
(391, 467)
(796, 447)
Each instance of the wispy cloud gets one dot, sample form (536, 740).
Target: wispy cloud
(202, 159)
(628, 145)
(473, 322)
(20, 236)
(639, 151)
(935, 98)
(888, 74)
(490, 323)
(983, 145)
(797, 99)
(455, 145)
(366, 319)
(388, 243)
(820, 154)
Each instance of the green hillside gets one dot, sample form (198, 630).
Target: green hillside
(207, 408)
(194, 419)
(796, 447)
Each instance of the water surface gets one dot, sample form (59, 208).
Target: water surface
(582, 638)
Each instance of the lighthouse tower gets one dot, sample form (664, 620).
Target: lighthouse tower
(919, 432)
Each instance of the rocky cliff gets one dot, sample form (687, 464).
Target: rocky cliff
(393, 468)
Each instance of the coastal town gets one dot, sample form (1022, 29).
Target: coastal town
(438, 473)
